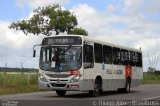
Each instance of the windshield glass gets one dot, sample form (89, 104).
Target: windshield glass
(61, 58)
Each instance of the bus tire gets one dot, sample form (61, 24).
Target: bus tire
(60, 92)
(97, 88)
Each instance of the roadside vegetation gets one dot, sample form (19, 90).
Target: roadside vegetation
(151, 78)
(18, 82)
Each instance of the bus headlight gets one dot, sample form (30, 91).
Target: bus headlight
(42, 78)
(75, 79)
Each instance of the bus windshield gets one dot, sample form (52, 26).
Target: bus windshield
(61, 58)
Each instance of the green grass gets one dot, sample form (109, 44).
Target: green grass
(151, 78)
(11, 83)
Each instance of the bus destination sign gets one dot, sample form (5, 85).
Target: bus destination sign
(68, 40)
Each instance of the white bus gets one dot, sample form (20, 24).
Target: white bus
(79, 63)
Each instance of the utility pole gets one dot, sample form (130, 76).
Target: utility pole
(21, 67)
(5, 64)
(5, 71)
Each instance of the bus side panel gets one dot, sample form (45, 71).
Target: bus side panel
(137, 76)
(88, 81)
(113, 77)
(107, 77)
(118, 76)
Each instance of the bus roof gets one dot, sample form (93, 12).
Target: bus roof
(101, 42)
(111, 44)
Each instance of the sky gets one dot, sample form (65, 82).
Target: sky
(132, 23)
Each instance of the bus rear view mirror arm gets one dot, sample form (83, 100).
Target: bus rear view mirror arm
(34, 51)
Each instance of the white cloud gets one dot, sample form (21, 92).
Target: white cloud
(134, 7)
(140, 27)
(16, 47)
(149, 45)
(38, 3)
(14, 39)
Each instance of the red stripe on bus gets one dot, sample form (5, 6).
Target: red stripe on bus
(128, 71)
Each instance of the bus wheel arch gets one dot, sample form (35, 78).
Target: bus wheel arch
(100, 80)
(97, 87)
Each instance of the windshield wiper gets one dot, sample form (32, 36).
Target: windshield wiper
(68, 48)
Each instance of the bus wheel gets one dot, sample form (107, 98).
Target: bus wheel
(60, 92)
(97, 88)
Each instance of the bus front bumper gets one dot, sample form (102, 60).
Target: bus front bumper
(76, 86)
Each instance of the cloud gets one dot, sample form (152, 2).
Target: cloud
(15, 39)
(38, 3)
(128, 24)
(134, 7)
(100, 23)
(16, 47)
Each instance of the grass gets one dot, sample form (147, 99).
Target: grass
(151, 78)
(11, 83)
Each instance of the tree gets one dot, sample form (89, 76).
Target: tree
(153, 61)
(78, 31)
(47, 20)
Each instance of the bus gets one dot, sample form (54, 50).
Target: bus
(80, 63)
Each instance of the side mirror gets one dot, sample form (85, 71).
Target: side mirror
(34, 53)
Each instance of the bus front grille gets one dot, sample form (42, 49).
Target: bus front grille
(58, 75)
(58, 80)
(58, 85)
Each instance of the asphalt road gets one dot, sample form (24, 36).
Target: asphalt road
(138, 96)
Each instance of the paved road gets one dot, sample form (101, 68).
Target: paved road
(49, 98)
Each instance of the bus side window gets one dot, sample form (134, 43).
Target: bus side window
(88, 56)
(138, 59)
(107, 54)
(131, 58)
(116, 56)
(124, 57)
(98, 53)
